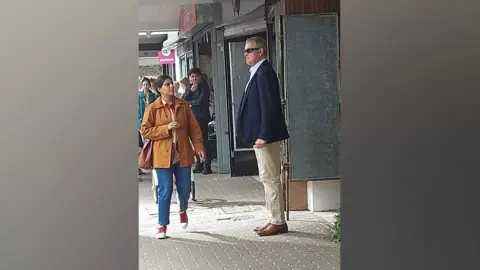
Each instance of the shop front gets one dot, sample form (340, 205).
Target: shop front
(196, 47)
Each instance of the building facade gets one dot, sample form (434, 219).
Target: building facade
(303, 41)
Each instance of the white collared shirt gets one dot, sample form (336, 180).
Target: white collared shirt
(253, 70)
(172, 113)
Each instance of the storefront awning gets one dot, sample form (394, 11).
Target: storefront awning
(256, 14)
(250, 23)
(173, 43)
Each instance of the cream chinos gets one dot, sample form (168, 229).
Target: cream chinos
(269, 166)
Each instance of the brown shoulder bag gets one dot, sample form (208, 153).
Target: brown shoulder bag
(145, 157)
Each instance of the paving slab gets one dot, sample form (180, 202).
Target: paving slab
(220, 234)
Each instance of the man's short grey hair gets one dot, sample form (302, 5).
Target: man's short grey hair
(259, 42)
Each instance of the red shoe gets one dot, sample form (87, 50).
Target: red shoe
(184, 219)
(162, 232)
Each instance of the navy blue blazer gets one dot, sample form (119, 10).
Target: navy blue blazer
(260, 114)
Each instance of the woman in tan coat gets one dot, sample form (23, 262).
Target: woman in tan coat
(171, 125)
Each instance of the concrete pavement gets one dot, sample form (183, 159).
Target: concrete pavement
(220, 234)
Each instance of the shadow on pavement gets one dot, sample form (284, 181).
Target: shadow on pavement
(215, 203)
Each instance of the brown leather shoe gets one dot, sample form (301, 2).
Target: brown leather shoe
(273, 230)
(261, 228)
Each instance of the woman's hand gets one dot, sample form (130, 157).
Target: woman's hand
(201, 155)
(173, 125)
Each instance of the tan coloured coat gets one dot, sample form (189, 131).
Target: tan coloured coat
(156, 118)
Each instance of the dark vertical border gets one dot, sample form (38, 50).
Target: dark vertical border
(410, 141)
(68, 144)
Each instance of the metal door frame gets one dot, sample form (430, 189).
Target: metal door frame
(228, 94)
(285, 145)
(221, 110)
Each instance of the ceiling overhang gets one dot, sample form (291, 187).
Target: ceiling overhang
(162, 15)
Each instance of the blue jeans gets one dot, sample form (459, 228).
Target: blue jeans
(183, 182)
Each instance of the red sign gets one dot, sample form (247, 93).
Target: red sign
(166, 57)
(188, 18)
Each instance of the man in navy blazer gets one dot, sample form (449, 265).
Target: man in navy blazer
(261, 123)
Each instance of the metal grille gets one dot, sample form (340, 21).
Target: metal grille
(311, 79)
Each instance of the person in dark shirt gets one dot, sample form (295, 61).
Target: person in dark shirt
(198, 96)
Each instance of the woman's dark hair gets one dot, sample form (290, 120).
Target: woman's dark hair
(145, 79)
(161, 80)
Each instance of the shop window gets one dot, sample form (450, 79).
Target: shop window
(183, 67)
(189, 62)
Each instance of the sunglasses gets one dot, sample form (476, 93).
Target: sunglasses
(250, 50)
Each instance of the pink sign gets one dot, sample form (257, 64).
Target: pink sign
(166, 57)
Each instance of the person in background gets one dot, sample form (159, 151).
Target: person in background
(198, 96)
(184, 84)
(152, 87)
(261, 124)
(170, 123)
(176, 88)
(145, 97)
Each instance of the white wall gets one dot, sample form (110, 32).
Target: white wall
(68, 183)
(177, 67)
(323, 195)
